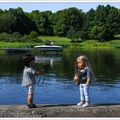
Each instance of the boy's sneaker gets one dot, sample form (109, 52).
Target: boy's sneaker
(31, 105)
(86, 104)
(80, 103)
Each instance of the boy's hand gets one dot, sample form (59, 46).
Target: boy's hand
(42, 72)
(87, 83)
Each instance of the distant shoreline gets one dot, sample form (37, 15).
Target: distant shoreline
(83, 44)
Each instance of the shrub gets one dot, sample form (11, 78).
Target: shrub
(33, 35)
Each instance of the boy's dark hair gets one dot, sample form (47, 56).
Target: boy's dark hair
(27, 58)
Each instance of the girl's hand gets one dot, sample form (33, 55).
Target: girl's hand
(88, 81)
(75, 78)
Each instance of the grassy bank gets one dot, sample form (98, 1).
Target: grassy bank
(16, 45)
(88, 43)
(64, 42)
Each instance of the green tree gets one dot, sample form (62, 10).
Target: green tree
(23, 24)
(66, 19)
(43, 21)
(7, 22)
(99, 32)
(71, 34)
(89, 23)
(106, 18)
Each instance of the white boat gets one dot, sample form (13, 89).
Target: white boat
(49, 47)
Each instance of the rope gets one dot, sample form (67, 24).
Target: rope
(41, 81)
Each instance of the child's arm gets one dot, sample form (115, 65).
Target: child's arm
(88, 81)
(75, 78)
(77, 75)
(88, 77)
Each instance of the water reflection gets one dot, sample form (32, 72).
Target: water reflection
(11, 65)
(105, 64)
(47, 59)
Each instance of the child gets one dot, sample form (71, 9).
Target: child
(29, 78)
(83, 77)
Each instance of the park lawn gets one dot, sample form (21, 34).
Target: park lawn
(16, 45)
(115, 43)
(94, 44)
(84, 44)
(56, 40)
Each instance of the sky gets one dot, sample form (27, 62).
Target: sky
(55, 6)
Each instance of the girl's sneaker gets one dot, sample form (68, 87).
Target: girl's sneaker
(80, 103)
(86, 104)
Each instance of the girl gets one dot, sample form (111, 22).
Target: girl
(83, 77)
(29, 78)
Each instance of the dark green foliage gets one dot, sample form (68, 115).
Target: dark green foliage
(66, 19)
(84, 35)
(7, 22)
(16, 37)
(101, 24)
(104, 23)
(71, 34)
(33, 34)
(43, 21)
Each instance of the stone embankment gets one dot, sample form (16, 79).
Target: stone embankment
(60, 111)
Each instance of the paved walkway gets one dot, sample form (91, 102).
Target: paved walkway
(60, 111)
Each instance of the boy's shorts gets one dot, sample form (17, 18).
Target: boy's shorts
(30, 89)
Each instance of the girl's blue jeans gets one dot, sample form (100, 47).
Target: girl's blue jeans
(84, 93)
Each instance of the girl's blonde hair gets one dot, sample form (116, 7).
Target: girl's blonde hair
(85, 59)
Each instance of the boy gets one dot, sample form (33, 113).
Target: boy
(29, 78)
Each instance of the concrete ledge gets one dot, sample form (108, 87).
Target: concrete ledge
(60, 111)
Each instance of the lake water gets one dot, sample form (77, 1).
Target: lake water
(59, 87)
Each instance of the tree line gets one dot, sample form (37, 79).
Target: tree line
(101, 24)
